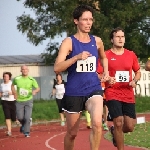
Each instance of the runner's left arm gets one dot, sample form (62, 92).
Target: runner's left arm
(102, 57)
(137, 71)
(36, 86)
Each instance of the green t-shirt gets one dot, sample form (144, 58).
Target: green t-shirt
(24, 87)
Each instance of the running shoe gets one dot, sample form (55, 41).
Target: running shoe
(9, 133)
(105, 127)
(27, 134)
(62, 123)
(112, 133)
(89, 125)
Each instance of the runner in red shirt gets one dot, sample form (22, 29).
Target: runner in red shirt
(119, 90)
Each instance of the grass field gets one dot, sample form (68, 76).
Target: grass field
(142, 104)
(140, 137)
(43, 110)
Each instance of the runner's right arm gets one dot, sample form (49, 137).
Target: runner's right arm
(61, 64)
(102, 57)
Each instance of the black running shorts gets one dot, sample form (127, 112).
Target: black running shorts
(76, 104)
(118, 108)
(9, 108)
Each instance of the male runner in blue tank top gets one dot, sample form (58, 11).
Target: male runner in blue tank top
(79, 55)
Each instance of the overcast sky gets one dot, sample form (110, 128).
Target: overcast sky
(13, 42)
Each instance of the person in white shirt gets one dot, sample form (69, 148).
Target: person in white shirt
(59, 90)
(8, 101)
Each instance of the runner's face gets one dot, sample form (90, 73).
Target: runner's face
(24, 70)
(118, 39)
(6, 78)
(85, 22)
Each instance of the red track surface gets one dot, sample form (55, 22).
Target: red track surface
(50, 136)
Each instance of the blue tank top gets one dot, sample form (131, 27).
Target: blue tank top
(82, 83)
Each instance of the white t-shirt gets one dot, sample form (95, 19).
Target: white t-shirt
(60, 90)
(5, 89)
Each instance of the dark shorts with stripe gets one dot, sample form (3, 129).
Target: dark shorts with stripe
(9, 108)
(59, 105)
(76, 104)
(118, 108)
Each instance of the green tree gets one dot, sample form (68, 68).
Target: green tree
(53, 17)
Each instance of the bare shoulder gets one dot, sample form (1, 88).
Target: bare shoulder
(66, 46)
(99, 42)
(67, 41)
(64, 50)
(98, 39)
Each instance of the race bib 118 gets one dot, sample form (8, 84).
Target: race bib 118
(87, 65)
(122, 76)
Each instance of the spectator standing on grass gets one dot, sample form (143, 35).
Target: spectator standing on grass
(24, 98)
(58, 91)
(8, 101)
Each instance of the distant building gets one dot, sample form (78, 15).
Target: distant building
(43, 74)
(37, 67)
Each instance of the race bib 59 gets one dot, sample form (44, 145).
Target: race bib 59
(122, 76)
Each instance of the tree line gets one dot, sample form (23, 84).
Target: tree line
(54, 17)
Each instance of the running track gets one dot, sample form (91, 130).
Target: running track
(50, 137)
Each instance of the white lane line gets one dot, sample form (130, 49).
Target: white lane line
(47, 141)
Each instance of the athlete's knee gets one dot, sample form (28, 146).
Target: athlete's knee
(118, 123)
(27, 119)
(128, 128)
(97, 126)
(72, 135)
